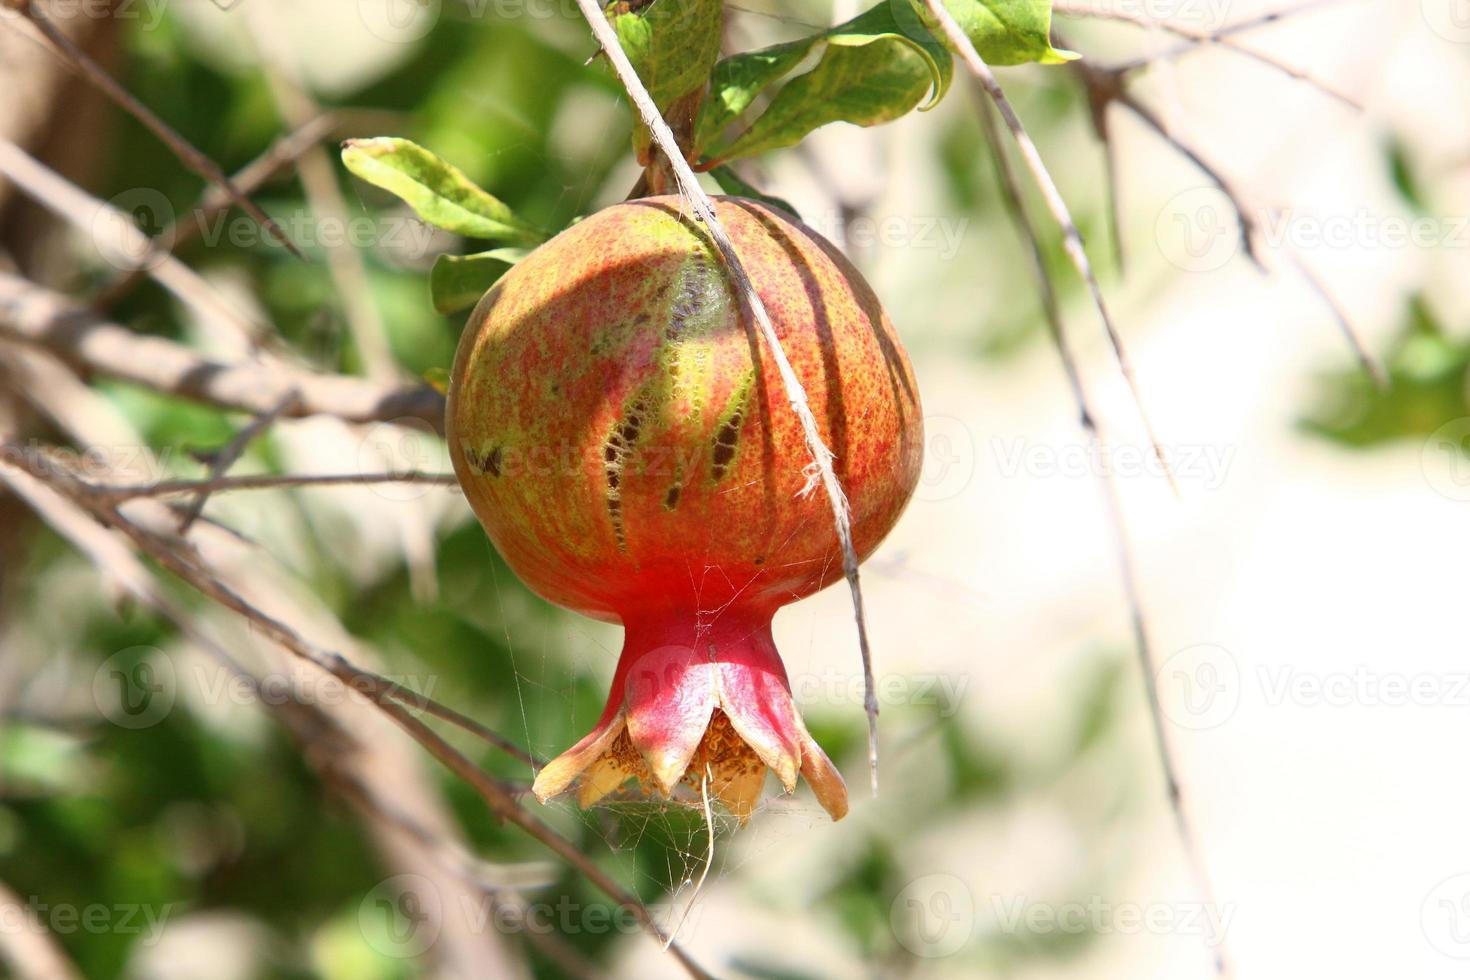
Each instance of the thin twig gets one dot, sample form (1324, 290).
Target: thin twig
(268, 481)
(189, 155)
(1370, 363)
(249, 178)
(1247, 213)
(36, 315)
(1122, 546)
(1071, 237)
(821, 465)
(232, 451)
(1224, 38)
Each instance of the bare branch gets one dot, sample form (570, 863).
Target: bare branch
(84, 340)
(283, 152)
(1247, 213)
(821, 465)
(1224, 38)
(187, 153)
(174, 555)
(98, 218)
(1071, 237)
(1122, 546)
(227, 456)
(268, 481)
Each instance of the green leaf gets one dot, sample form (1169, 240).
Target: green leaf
(438, 192)
(673, 44)
(873, 69)
(731, 183)
(458, 281)
(1004, 32)
(739, 79)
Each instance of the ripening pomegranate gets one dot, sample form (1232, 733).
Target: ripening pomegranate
(619, 428)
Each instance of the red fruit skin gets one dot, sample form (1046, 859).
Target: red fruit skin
(620, 428)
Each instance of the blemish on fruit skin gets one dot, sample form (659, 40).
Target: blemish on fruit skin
(483, 463)
(616, 449)
(671, 499)
(727, 436)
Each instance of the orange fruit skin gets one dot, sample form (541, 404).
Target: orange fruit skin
(621, 431)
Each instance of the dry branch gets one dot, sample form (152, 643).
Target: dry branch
(1122, 546)
(1071, 237)
(187, 153)
(90, 343)
(175, 555)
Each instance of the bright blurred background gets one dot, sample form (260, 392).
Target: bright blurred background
(1305, 591)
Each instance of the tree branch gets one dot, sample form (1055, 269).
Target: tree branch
(87, 342)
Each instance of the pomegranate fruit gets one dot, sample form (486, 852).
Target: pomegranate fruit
(620, 430)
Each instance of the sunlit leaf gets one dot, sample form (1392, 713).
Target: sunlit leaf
(438, 192)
